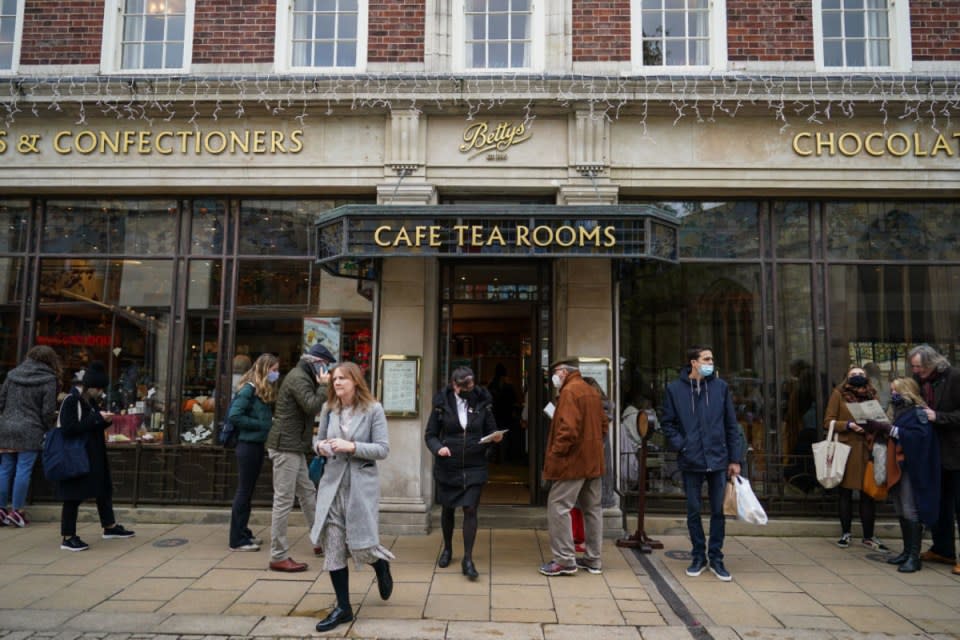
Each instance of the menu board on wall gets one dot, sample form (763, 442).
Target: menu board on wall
(399, 385)
(598, 369)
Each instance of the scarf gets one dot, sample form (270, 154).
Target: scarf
(851, 393)
(927, 385)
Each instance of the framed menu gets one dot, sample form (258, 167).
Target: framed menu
(598, 369)
(398, 385)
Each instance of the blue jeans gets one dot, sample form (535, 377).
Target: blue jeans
(692, 486)
(19, 467)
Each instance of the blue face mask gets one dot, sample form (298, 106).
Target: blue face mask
(273, 376)
(706, 370)
(896, 398)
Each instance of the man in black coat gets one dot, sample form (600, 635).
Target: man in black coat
(940, 387)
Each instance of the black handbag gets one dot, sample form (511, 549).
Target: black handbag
(65, 457)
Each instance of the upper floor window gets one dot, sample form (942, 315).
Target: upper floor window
(11, 28)
(147, 35)
(498, 34)
(322, 34)
(670, 35)
(862, 34)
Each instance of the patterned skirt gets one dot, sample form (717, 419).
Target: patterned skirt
(334, 536)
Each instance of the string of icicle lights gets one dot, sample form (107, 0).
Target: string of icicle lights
(792, 100)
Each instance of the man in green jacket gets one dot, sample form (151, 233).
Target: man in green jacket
(299, 400)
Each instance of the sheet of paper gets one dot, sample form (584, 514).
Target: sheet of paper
(869, 410)
(549, 409)
(489, 437)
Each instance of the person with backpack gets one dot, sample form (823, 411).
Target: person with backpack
(251, 415)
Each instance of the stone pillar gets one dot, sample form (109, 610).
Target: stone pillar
(589, 163)
(408, 326)
(583, 317)
(405, 150)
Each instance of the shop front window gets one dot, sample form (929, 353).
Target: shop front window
(115, 311)
(277, 227)
(893, 230)
(717, 230)
(127, 227)
(666, 312)
(195, 418)
(14, 221)
(878, 312)
(206, 227)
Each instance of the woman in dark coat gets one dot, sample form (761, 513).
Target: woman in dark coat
(80, 417)
(913, 478)
(462, 414)
(251, 413)
(28, 409)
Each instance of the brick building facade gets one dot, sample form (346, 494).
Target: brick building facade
(188, 181)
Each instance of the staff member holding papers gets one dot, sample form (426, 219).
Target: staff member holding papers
(856, 387)
(462, 414)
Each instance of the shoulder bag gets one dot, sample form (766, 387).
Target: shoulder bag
(65, 457)
(830, 458)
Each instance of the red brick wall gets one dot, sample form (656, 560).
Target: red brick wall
(395, 31)
(935, 29)
(234, 31)
(63, 32)
(601, 30)
(769, 30)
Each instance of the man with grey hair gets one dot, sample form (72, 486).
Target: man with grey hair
(574, 462)
(940, 387)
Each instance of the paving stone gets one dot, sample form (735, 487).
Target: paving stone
(34, 620)
(665, 633)
(286, 626)
(209, 624)
(105, 622)
(581, 632)
(493, 631)
(399, 629)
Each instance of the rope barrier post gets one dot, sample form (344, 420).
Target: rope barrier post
(639, 539)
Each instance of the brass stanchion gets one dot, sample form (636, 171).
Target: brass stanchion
(640, 540)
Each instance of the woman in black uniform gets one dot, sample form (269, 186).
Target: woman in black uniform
(462, 415)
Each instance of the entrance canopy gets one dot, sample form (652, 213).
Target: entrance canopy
(350, 237)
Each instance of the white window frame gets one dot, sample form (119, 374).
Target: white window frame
(17, 41)
(898, 25)
(112, 46)
(283, 41)
(717, 49)
(537, 41)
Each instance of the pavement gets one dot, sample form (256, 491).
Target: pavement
(181, 581)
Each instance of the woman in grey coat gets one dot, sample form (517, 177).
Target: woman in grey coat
(348, 496)
(28, 409)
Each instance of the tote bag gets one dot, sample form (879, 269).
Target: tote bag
(63, 457)
(830, 458)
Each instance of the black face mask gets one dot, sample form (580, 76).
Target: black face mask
(858, 381)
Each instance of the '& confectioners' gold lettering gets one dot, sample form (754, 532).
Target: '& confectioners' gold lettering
(167, 142)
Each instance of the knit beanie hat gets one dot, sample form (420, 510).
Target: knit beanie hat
(95, 376)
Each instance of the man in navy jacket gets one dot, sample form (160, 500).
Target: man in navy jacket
(700, 423)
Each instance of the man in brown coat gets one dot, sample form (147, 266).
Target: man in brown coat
(574, 462)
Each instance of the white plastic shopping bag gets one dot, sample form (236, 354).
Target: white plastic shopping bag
(830, 457)
(749, 508)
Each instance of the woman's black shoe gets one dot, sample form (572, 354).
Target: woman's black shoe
(384, 579)
(468, 569)
(445, 556)
(338, 616)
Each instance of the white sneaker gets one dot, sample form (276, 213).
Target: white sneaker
(248, 546)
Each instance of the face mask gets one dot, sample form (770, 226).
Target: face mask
(555, 379)
(706, 370)
(858, 381)
(896, 398)
(273, 376)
